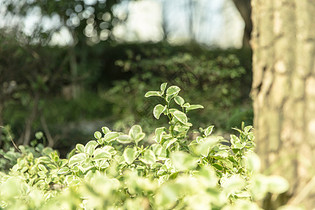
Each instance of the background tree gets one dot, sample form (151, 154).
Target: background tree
(244, 8)
(284, 94)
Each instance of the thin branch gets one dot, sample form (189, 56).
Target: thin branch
(46, 130)
(11, 139)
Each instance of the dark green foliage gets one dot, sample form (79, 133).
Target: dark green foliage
(219, 79)
(111, 79)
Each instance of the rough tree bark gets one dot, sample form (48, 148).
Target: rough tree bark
(283, 91)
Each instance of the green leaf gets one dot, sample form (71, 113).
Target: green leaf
(156, 148)
(277, 184)
(139, 137)
(236, 143)
(63, 170)
(206, 145)
(168, 195)
(159, 134)
(101, 163)
(159, 151)
(85, 166)
(97, 135)
(148, 157)
(208, 130)
(232, 184)
(183, 161)
(259, 186)
(90, 147)
(163, 87)
(152, 93)
(207, 176)
(79, 148)
(252, 162)
(180, 116)
(101, 153)
(105, 130)
(173, 90)
(158, 110)
(186, 105)
(217, 166)
(130, 154)
(124, 139)
(111, 136)
(167, 144)
(248, 205)
(42, 168)
(192, 107)
(179, 100)
(110, 150)
(77, 159)
(135, 131)
(39, 135)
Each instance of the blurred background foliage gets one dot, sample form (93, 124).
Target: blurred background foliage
(96, 79)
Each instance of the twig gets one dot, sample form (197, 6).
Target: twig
(46, 130)
(11, 139)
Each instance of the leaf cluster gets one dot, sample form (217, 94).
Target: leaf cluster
(124, 171)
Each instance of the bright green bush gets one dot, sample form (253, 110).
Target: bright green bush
(175, 169)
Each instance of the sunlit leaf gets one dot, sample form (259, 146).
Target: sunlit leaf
(63, 170)
(148, 157)
(105, 130)
(158, 110)
(179, 100)
(180, 116)
(98, 135)
(208, 130)
(139, 137)
(192, 107)
(186, 105)
(152, 93)
(77, 159)
(79, 148)
(183, 161)
(42, 168)
(159, 134)
(134, 131)
(168, 143)
(124, 139)
(163, 87)
(172, 90)
(90, 147)
(233, 184)
(252, 162)
(130, 154)
(205, 146)
(111, 136)
(109, 149)
(100, 153)
(277, 184)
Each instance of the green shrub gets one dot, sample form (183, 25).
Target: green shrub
(217, 79)
(174, 169)
(9, 155)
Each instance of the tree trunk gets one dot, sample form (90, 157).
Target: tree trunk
(26, 136)
(244, 8)
(283, 91)
(1, 121)
(74, 72)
